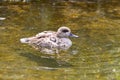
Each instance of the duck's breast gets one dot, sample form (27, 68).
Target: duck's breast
(64, 43)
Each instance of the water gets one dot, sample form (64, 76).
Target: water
(93, 56)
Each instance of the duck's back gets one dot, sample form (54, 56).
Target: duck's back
(45, 34)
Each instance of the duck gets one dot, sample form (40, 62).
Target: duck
(50, 42)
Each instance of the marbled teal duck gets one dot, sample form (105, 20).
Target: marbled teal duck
(51, 41)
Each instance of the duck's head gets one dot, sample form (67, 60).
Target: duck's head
(64, 32)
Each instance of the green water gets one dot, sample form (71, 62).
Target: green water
(95, 55)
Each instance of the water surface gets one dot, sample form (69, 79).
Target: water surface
(93, 56)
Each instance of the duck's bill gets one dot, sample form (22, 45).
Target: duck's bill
(73, 35)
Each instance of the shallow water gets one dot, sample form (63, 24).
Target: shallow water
(93, 56)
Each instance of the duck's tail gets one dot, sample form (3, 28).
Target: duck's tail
(24, 40)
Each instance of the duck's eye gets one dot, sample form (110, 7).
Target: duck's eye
(65, 30)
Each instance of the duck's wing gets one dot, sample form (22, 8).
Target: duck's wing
(42, 40)
(41, 43)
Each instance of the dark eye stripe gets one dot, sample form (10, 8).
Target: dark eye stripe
(65, 30)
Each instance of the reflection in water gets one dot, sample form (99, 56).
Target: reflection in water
(94, 56)
(46, 61)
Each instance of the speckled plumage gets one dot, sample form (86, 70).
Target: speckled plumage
(51, 41)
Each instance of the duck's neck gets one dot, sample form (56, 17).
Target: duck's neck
(61, 36)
